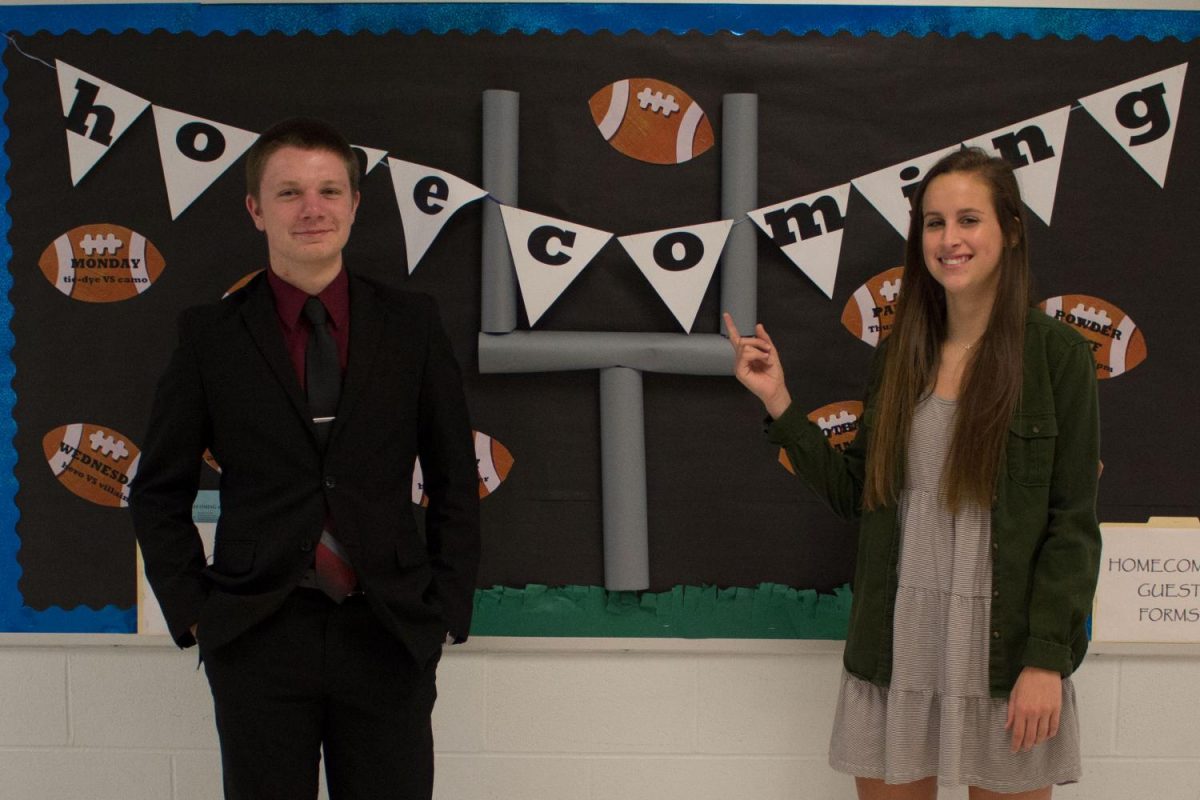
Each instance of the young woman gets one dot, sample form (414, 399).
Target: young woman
(974, 477)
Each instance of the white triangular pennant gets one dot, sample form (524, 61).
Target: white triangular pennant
(679, 263)
(1034, 148)
(813, 246)
(96, 114)
(195, 152)
(888, 189)
(373, 157)
(1141, 115)
(427, 198)
(548, 254)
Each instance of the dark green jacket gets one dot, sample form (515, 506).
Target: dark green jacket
(1045, 537)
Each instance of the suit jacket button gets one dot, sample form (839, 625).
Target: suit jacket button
(306, 545)
(330, 482)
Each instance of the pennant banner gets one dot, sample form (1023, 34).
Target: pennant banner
(889, 189)
(813, 246)
(548, 254)
(679, 263)
(195, 152)
(96, 115)
(371, 157)
(1034, 148)
(1141, 115)
(427, 198)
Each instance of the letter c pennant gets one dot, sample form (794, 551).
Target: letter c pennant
(548, 254)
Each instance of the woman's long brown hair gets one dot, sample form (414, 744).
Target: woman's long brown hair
(991, 383)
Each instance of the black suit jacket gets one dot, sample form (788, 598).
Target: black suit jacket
(231, 388)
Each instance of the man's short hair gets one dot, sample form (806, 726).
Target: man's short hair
(306, 133)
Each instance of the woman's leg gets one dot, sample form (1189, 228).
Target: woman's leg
(875, 789)
(975, 793)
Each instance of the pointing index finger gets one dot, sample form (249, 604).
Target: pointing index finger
(731, 328)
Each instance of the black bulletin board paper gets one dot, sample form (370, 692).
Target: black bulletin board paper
(722, 511)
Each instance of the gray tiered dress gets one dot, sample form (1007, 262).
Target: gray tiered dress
(937, 717)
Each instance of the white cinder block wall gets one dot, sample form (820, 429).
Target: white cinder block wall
(526, 720)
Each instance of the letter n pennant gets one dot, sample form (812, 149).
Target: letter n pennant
(1034, 148)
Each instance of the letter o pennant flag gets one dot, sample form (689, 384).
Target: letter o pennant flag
(679, 263)
(195, 152)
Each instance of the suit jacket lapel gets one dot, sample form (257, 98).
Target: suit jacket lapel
(263, 323)
(367, 325)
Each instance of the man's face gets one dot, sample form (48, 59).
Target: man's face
(306, 209)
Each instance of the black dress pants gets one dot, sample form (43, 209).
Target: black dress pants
(316, 674)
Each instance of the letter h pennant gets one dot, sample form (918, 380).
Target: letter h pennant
(95, 114)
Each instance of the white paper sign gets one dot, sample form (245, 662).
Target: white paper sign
(1149, 589)
(679, 263)
(809, 232)
(1034, 148)
(548, 254)
(1142, 116)
(96, 114)
(150, 619)
(427, 198)
(195, 152)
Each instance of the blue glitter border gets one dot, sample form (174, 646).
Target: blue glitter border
(615, 17)
(472, 18)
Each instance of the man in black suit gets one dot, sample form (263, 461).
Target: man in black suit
(323, 613)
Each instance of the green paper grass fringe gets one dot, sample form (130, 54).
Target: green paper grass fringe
(770, 611)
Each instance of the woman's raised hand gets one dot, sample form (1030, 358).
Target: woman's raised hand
(756, 365)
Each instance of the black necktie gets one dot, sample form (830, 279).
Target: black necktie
(323, 379)
(322, 370)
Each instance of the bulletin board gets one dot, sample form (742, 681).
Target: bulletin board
(123, 204)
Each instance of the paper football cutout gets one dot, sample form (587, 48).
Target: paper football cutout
(1117, 343)
(94, 462)
(651, 120)
(101, 263)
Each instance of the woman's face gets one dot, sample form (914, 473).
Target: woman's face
(961, 237)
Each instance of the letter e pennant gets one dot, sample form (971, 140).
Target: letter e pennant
(679, 263)
(428, 198)
(813, 246)
(194, 153)
(96, 114)
(548, 254)
(1141, 116)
